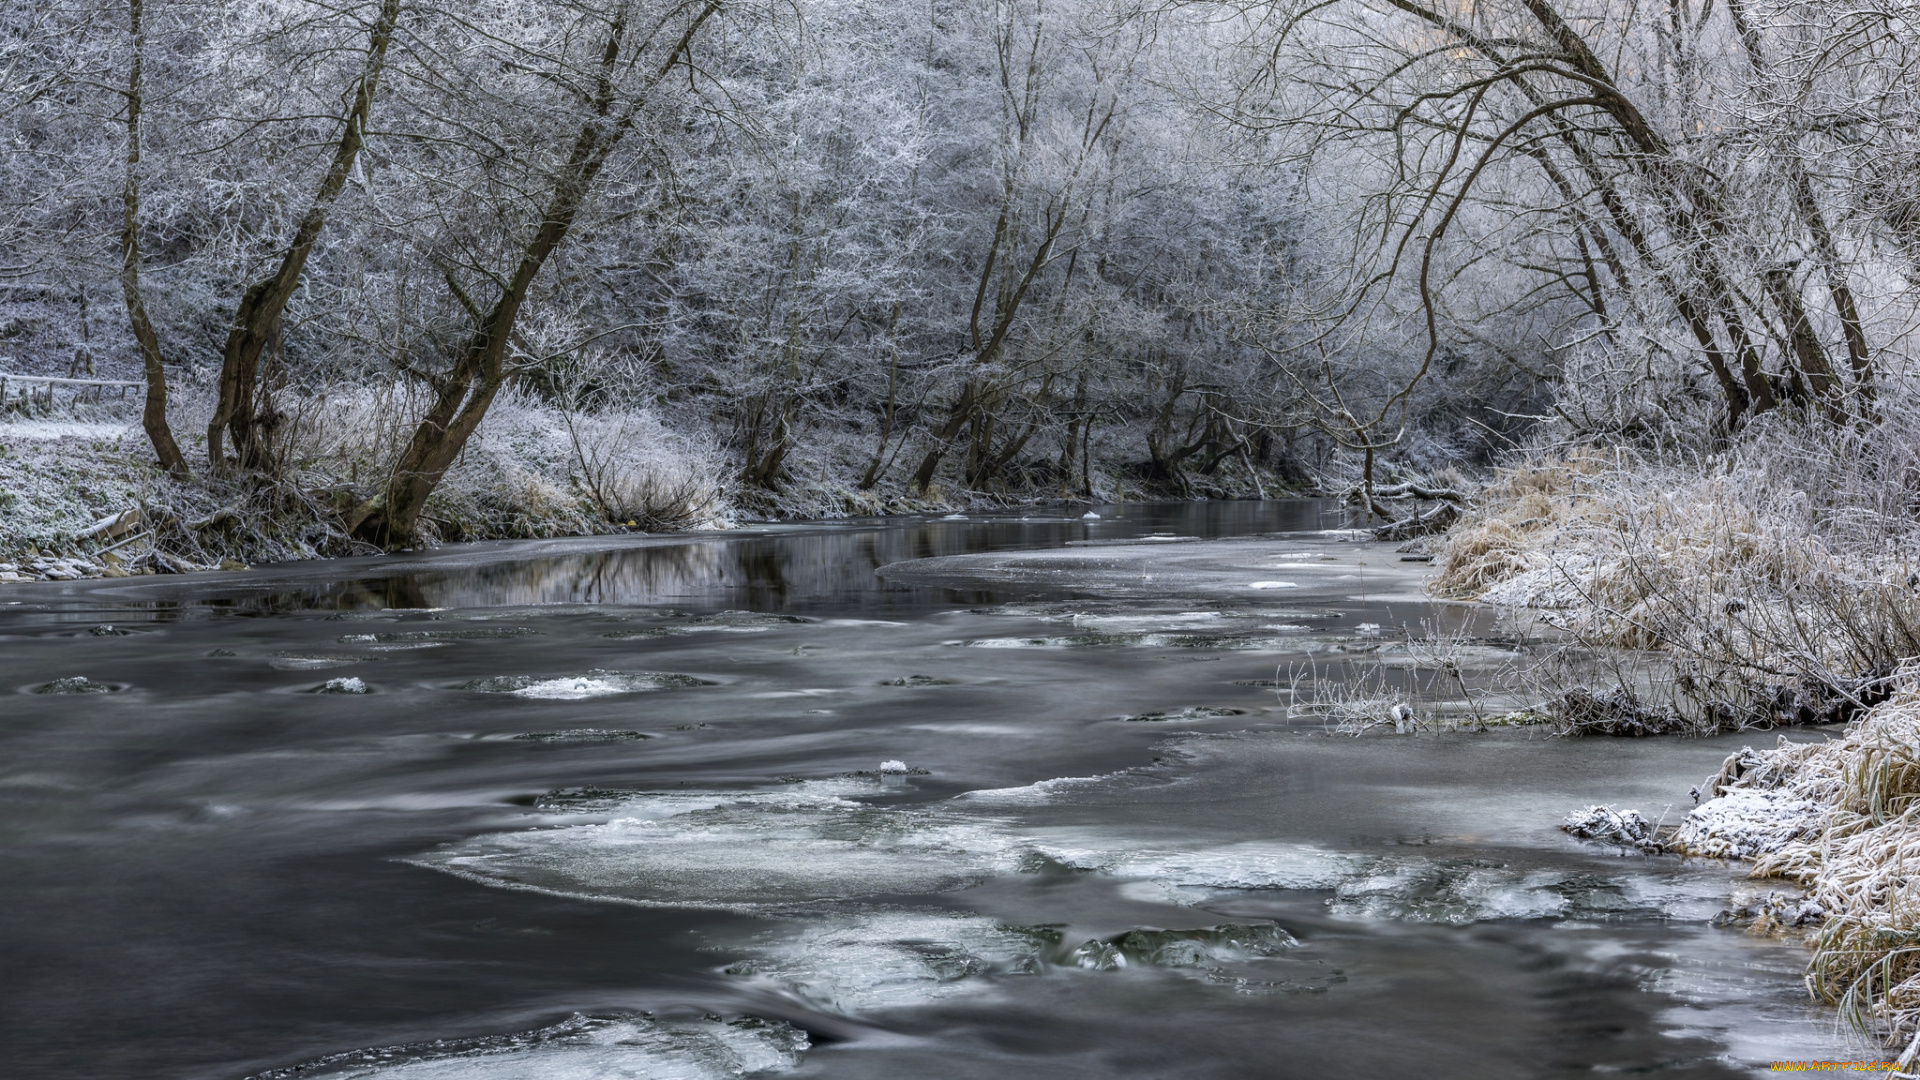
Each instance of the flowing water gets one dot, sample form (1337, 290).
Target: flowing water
(959, 797)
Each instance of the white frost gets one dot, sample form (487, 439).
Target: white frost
(1743, 824)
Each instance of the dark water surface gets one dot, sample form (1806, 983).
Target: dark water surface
(633, 807)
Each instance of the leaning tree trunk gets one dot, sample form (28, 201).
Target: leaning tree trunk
(257, 319)
(392, 518)
(154, 417)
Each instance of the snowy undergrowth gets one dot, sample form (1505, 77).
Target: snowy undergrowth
(825, 469)
(1771, 584)
(531, 471)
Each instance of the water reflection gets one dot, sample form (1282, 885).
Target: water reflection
(760, 568)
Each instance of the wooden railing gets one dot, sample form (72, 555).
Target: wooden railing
(29, 387)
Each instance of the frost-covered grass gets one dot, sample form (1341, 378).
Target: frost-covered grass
(532, 470)
(1773, 583)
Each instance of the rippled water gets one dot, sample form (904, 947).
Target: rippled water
(906, 798)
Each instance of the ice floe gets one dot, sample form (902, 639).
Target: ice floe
(581, 1048)
(296, 661)
(581, 735)
(881, 958)
(437, 635)
(803, 844)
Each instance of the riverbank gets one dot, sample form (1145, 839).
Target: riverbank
(81, 497)
(1771, 586)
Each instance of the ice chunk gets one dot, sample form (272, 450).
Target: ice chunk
(1458, 892)
(1192, 712)
(439, 636)
(75, 684)
(1183, 948)
(893, 766)
(582, 735)
(888, 959)
(593, 684)
(298, 661)
(349, 685)
(1253, 865)
(1624, 827)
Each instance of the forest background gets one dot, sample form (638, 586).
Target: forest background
(400, 271)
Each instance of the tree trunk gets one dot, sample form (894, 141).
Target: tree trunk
(153, 418)
(257, 318)
(392, 518)
(958, 415)
(1858, 357)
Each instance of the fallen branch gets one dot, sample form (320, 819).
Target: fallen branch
(1437, 519)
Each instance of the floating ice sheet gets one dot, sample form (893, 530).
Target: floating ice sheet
(869, 960)
(297, 661)
(800, 845)
(438, 635)
(880, 959)
(581, 1048)
(1250, 865)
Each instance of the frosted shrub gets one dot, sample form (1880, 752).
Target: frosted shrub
(638, 473)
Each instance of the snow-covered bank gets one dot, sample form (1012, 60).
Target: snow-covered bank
(1835, 818)
(533, 471)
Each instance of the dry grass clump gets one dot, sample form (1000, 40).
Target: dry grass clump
(1482, 554)
(1771, 604)
(1513, 524)
(637, 473)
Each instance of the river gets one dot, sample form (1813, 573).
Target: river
(976, 797)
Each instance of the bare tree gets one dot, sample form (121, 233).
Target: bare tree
(153, 419)
(462, 396)
(256, 321)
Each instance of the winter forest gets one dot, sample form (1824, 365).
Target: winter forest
(833, 249)
(812, 258)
